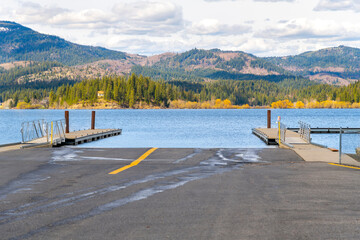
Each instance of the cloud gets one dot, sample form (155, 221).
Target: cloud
(158, 12)
(30, 13)
(303, 29)
(214, 27)
(257, 45)
(338, 5)
(134, 18)
(253, 0)
(274, 0)
(89, 18)
(155, 26)
(148, 45)
(149, 17)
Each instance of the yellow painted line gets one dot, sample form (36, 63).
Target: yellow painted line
(134, 163)
(344, 166)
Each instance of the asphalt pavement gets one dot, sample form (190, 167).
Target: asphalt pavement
(68, 193)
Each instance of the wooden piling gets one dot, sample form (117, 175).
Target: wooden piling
(67, 128)
(268, 118)
(93, 120)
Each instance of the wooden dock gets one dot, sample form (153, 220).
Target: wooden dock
(308, 151)
(72, 138)
(85, 136)
(76, 137)
(270, 135)
(267, 135)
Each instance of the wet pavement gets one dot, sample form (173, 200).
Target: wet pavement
(68, 193)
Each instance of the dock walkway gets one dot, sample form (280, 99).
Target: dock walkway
(307, 151)
(85, 136)
(72, 138)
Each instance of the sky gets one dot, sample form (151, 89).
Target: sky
(260, 27)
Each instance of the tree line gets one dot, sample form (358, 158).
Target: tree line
(126, 91)
(130, 91)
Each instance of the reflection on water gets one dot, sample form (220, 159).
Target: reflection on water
(188, 128)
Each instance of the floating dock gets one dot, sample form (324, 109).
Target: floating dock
(72, 138)
(40, 133)
(308, 151)
(85, 136)
(267, 135)
(271, 135)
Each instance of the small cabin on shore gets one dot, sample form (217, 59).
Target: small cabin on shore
(100, 94)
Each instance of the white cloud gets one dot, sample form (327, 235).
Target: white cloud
(141, 17)
(337, 5)
(253, 0)
(142, 11)
(89, 18)
(274, 0)
(149, 17)
(257, 45)
(215, 27)
(262, 27)
(30, 13)
(303, 29)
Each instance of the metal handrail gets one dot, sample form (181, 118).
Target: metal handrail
(305, 131)
(283, 129)
(33, 129)
(59, 130)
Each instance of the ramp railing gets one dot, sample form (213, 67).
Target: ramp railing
(57, 129)
(283, 129)
(305, 131)
(33, 130)
(40, 131)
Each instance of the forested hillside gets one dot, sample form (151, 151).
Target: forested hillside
(335, 66)
(199, 64)
(21, 43)
(142, 92)
(338, 65)
(56, 73)
(9, 77)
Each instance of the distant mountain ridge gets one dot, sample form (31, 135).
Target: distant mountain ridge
(214, 64)
(19, 43)
(334, 65)
(338, 65)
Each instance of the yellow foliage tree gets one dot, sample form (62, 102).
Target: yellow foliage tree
(282, 104)
(227, 103)
(355, 105)
(22, 105)
(299, 104)
(314, 104)
(192, 105)
(205, 105)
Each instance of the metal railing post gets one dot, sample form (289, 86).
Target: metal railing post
(47, 132)
(340, 145)
(52, 133)
(305, 131)
(279, 118)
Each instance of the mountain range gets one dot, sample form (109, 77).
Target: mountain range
(22, 47)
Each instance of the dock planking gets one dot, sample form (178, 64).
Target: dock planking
(85, 136)
(72, 138)
(268, 135)
(308, 151)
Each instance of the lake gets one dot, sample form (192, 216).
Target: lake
(220, 128)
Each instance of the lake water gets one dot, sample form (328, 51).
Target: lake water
(189, 128)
